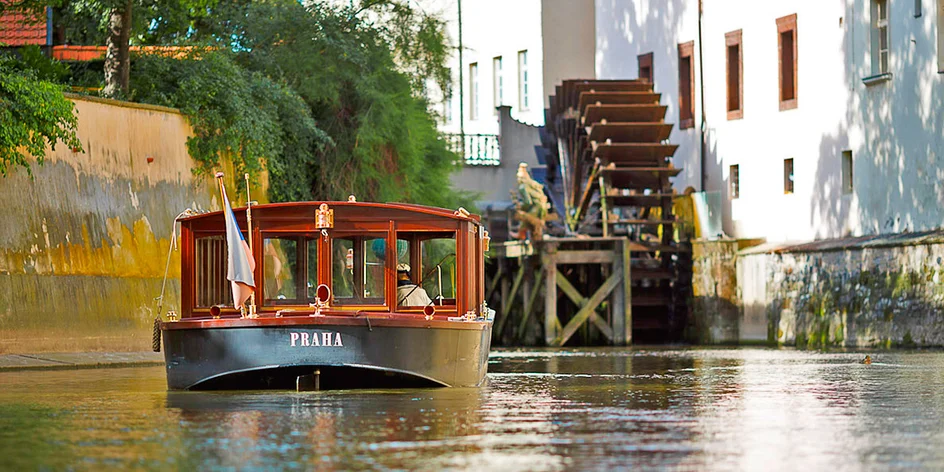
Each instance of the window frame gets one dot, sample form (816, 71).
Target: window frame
(731, 39)
(416, 261)
(389, 272)
(262, 298)
(473, 91)
(789, 176)
(523, 104)
(847, 172)
(645, 61)
(940, 37)
(195, 277)
(686, 51)
(498, 83)
(877, 27)
(787, 24)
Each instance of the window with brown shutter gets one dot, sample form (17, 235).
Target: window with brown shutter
(645, 66)
(734, 74)
(787, 41)
(788, 176)
(686, 85)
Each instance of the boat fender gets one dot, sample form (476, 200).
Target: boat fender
(156, 335)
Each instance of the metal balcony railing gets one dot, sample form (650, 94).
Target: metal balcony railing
(476, 149)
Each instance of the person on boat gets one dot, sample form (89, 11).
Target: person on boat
(408, 293)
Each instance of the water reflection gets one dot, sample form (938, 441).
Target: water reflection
(542, 410)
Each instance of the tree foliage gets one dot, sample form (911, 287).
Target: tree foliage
(358, 72)
(234, 112)
(34, 114)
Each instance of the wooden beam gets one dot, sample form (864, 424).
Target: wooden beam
(580, 301)
(528, 307)
(551, 322)
(587, 310)
(627, 270)
(603, 209)
(586, 257)
(509, 301)
(494, 283)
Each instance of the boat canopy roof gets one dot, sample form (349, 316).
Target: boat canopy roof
(344, 210)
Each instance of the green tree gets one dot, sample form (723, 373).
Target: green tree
(363, 77)
(234, 112)
(34, 114)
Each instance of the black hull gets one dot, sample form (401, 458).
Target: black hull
(346, 356)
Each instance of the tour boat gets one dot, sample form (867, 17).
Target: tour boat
(329, 308)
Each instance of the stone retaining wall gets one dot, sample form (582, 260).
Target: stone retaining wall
(83, 245)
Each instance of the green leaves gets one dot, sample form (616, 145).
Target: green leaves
(330, 100)
(34, 113)
(235, 113)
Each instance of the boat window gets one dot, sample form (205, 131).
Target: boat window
(358, 268)
(439, 269)
(211, 286)
(432, 268)
(291, 270)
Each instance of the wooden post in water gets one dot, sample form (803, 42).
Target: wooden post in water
(549, 259)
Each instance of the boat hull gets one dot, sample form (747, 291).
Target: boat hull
(344, 355)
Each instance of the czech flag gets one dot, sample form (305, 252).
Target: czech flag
(239, 261)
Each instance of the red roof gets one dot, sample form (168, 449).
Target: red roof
(19, 29)
(91, 53)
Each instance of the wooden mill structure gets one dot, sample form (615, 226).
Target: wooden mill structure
(623, 274)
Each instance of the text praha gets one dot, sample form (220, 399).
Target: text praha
(316, 339)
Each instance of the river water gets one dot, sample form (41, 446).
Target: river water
(592, 409)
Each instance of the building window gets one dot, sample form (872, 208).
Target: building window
(788, 176)
(917, 12)
(734, 177)
(846, 171)
(879, 37)
(523, 80)
(645, 66)
(940, 36)
(497, 83)
(473, 91)
(686, 86)
(787, 40)
(447, 110)
(735, 78)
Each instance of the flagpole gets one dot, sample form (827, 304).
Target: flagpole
(252, 296)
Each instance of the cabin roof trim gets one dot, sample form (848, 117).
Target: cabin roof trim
(411, 207)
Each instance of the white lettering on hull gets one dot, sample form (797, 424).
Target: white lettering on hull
(327, 339)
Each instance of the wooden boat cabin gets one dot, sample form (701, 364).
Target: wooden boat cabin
(343, 289)
(443, 249)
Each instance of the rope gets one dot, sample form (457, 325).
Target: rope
(156, 333)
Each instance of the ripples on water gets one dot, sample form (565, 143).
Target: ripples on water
(542, 410)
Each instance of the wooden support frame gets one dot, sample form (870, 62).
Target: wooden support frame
(588, 308)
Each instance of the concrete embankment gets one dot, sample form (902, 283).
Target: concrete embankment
(78, 360)
(83, 244)
(875, 291)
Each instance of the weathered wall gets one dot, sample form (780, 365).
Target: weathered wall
(83, 244)
(719, 314)
(872, 293)
(517, 141)
(573, 57)
(715, 307)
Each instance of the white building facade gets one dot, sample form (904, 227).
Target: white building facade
(501, 63)
(822, 118)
